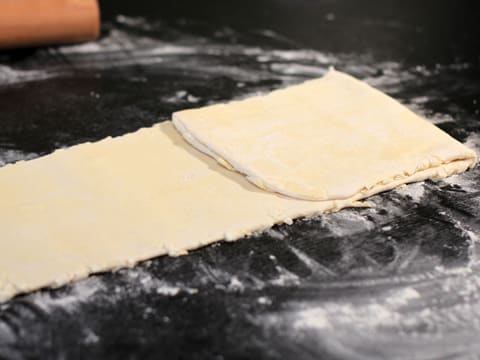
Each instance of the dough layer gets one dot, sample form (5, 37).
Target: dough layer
(105, 205)
(326, 139)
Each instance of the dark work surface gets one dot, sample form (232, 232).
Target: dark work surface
(399, 280)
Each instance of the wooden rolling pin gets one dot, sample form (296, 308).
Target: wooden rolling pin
(43, 22)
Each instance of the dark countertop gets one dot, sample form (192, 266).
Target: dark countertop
(400, 280)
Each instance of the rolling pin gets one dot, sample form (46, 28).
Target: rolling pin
(26, 23)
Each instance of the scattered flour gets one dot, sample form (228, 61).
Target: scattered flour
(346, 222)
(439, 118)
(274, 234)
(10, 76)
(298, 69)
(402, 296)
(331, 315)
(192, 99)
(90, 337)
(312, 318)
(264, 300)
(467, 181)
(84, 290)
(415, 191)
(312, 264)
(79, 292)
(85, 48)
(167, 289)
(136, 22)
(143, 281)
(310, 56)
(284, 278)
(473, 142)
(8, 156)
(181, 95)
(235, 284)
(119, 40)
(444, 307)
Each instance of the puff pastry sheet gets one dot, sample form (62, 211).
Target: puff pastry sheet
(100, 206)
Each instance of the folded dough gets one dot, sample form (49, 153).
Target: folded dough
(326, 139)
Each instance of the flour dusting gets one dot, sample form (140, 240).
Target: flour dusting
(402, 296)
(142, 281)
(466, 181)
(284, 278)
(274, 233)
(79, 292)
(382, 282)
(8, 156)
(346, 222)
(473, 142)
(9, 75)
(414, 191)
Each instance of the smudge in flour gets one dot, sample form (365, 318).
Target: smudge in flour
(387, 321)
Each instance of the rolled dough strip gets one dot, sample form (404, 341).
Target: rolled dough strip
(100, 206)
(326, 139)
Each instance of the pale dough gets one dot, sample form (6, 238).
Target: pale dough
(104, 205)
(109, 204)
(326, 139)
